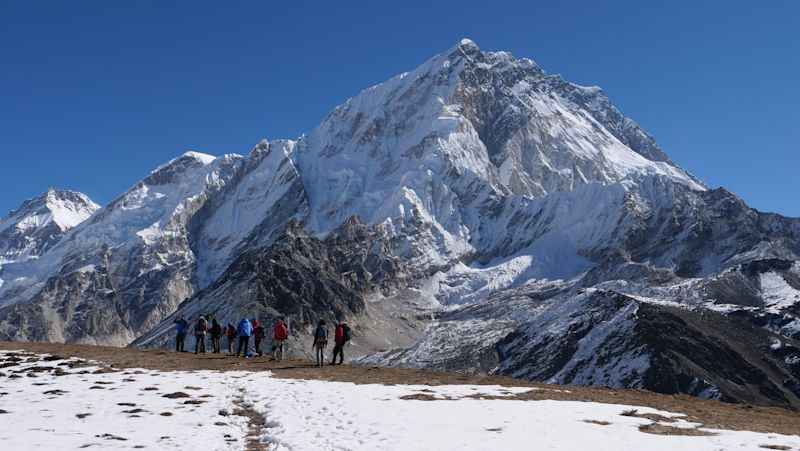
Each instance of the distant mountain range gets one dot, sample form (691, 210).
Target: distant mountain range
(475, 214)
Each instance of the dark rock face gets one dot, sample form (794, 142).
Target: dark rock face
(712, 354)
(614, 340)
(297, 277)
(300, 278)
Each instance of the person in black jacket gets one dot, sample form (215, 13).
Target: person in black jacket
(200, 329)
(216, 334)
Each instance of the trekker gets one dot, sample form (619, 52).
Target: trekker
(320, 341)
(216, 334)
(180, 329)
(230, 334)
(280, 335)
(258, 335)
(245, 329)
(340, 336)
(200, 329)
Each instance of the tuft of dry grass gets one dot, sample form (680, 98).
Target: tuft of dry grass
(654, 417)
(176, 395)
(661, 429)
(600, 422)
(419, 397)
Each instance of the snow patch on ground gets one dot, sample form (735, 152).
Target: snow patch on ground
(125, 411)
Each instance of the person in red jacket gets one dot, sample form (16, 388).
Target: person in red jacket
(280, 335)
(340, 337)
(258, 334)
(230, 334)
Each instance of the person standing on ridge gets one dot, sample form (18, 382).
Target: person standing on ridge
(180, 329)
(216, 334)
(280, 335)
(340, 336)
(320, 341)
(258, 335)
(230, 334)
(200, 329)
(245, 329)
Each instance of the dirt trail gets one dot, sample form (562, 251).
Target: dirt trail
(711, 414)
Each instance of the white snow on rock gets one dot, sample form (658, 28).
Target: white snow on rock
(777, 293)
(48, 412)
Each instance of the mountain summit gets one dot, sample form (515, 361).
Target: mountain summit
(40, 222)
(475, 214)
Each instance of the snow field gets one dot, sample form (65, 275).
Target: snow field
(126, 410)
(307, 415)
(316, 415)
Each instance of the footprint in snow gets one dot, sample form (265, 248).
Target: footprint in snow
(111, 437)
(54, 392)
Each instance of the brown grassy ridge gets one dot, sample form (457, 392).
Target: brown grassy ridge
(711, 414)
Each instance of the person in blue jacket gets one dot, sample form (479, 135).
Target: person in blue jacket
(180, 328)
(245, 329)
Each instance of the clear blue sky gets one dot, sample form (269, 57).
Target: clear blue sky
(94, 94)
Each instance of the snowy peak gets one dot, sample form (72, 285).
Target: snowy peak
(65, 208)
(40, 222)
(161, 204)
(170, 171)
(69, 208)
(466, 130)
(464, 47)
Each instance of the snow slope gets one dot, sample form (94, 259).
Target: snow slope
(48, 411)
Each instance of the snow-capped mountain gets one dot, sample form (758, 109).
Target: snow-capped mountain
(474, 214)
(40, 222)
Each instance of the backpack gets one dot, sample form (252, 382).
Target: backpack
(200, 327)
(321, 333)
(347, 334)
